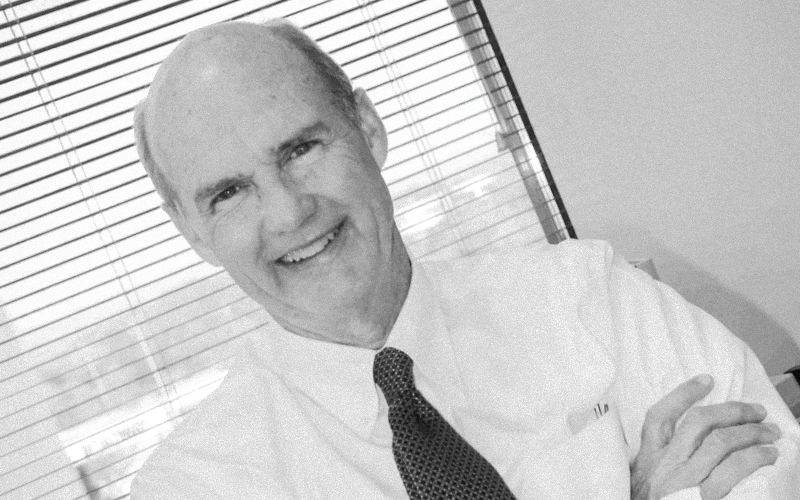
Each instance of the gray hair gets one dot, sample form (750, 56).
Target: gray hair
(156, 174)
(332, 75)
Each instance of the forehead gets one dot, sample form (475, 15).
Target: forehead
(226, 93)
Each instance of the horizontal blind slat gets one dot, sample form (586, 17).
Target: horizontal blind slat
(34, 15)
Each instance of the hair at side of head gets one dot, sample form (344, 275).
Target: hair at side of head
(333, 76)
(163, 187)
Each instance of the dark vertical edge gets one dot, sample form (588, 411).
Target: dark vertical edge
(524, 115)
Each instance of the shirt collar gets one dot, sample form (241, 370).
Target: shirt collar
(336, 377)
(339, 377)
(421, 332)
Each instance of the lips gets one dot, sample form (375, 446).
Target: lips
(310, 250)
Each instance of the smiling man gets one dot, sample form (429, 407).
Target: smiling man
(549, 372)
(279, 185)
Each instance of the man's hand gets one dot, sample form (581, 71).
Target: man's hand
(714, 447)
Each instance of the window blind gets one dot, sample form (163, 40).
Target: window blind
(111, 328)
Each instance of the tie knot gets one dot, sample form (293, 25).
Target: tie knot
(392, 371)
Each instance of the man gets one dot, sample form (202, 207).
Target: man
(568, 373)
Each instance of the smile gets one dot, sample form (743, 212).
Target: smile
(310, 250)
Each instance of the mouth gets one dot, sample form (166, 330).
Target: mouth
(312, 249)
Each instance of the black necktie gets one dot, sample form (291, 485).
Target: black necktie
(434, 461)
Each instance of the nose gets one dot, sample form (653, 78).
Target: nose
(285, 210)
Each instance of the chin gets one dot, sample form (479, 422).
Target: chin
(366, 336)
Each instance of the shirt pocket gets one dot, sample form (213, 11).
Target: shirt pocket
(592, 464)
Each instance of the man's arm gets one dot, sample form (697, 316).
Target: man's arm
(661, 341)
(713, 449)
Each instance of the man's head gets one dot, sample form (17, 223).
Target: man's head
(334, 79)
(270, 166)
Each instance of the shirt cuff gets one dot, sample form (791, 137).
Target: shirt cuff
(687, 494)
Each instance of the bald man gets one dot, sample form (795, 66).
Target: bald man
(561, 371)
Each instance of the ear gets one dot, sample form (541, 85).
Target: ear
(372, 126)
(188, 232)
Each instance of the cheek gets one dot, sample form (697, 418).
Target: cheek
(362, 186)
(236, 237)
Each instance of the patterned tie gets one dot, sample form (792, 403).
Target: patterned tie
(434, 461)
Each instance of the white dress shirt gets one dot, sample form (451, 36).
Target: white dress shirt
(545, 359)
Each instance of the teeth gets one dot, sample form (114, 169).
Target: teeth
(310, 250)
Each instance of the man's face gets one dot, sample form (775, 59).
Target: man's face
(277, 186)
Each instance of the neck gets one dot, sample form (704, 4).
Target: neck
(387, 305)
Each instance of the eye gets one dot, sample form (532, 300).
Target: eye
(302, 149)
(226, 194)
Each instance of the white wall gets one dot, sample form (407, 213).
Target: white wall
(673, 130)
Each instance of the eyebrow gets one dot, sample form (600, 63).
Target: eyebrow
(301, 135)
(203, 193)
(207, 191)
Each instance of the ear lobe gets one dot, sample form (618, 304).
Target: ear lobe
(198, 245)
(372, 127)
